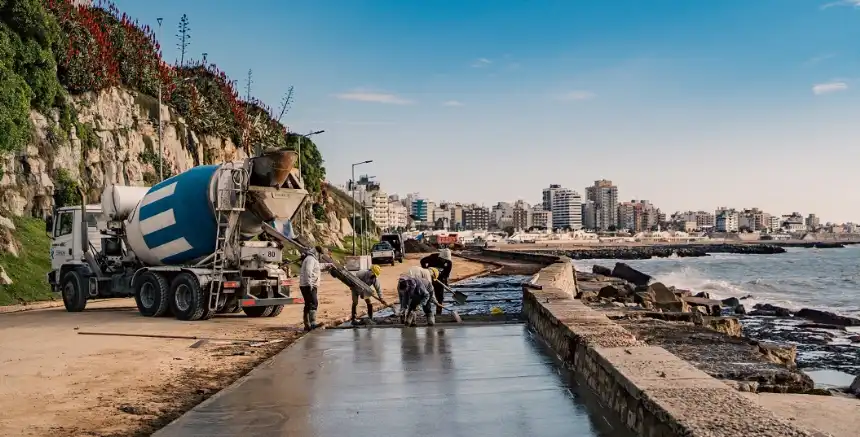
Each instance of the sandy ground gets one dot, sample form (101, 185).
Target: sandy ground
(836, 416)
(55, 382)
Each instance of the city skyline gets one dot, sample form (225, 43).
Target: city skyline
(688, 104)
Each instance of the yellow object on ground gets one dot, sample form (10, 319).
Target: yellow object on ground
(496, 311)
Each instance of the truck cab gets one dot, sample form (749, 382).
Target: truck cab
(65, 228)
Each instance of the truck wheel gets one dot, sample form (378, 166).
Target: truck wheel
(151, 295)
(231, 306)
(276, 310)
(74, 296)
(258, 311)
(189, 299)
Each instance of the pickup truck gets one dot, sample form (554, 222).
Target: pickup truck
(382, 253)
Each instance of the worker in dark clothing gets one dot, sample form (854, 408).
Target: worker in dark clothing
(442, 262)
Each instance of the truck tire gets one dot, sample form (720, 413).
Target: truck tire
(74, 292)
(258, 311)
(230, 307)
(276, 310)
(188, 300)
(152, 295)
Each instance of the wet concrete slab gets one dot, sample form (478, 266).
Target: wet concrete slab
(444, 381)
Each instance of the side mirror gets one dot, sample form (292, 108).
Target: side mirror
(49, 225)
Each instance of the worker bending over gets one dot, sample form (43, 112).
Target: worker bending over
(371, 278)
(416, 289)
(442, 262)
(309, 282)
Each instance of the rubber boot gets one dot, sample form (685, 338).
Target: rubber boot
(369, 313)
(431, 318)
(352, 317)
(306, 320)
(312, 318)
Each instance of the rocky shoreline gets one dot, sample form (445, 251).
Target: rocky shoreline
(665, 251)
(763, 348)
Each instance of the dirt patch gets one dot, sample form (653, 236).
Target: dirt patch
(56, 382)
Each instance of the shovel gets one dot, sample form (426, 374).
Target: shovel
(453, 312)
(459, 296)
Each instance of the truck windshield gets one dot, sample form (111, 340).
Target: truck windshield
(382, 246)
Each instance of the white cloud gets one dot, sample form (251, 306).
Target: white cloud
(818, 59)
(855, 3)
(374, 97)
(829, 87)
(481, 62)
(453, 103)
(577, 95)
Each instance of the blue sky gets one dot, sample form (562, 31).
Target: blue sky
(690, 104)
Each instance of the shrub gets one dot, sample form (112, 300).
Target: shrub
(66, 190)
(208, 100)
(313, 171)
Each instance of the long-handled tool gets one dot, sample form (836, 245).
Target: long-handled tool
(459, 296)
(453, 312)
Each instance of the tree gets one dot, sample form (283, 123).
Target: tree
(509, 230)
(184, 37)
(612, 228)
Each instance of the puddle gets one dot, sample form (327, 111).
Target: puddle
(827, 378)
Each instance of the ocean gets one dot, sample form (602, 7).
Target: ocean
(824, 279)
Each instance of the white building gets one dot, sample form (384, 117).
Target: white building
(727, 220)
(548, 194)
(397, 216)
(567, 210)
(378, 208)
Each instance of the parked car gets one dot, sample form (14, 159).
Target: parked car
(382, 253)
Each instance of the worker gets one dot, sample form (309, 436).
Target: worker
(310, 276)
(415, 292)
(441, 261)
(371, 278)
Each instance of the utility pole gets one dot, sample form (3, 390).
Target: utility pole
(160, 143)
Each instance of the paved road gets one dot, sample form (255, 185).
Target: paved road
(415, 382)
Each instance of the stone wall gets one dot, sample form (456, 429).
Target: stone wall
(654, 393)
(521, 256)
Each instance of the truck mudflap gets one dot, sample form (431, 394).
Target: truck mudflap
(279, 299)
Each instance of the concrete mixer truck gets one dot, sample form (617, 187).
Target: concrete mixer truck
(202, 242)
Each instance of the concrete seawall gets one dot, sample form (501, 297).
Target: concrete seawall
(655, 393)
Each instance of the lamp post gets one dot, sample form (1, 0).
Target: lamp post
(301, 210)
(352, 188)
(160, 144)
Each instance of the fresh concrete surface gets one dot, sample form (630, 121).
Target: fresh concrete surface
(469, 381)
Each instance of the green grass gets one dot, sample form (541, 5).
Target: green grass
(29, 269)
(340, 255)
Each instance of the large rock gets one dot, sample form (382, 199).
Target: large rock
(673, 307)
(610, 292)
(630, 274)
(783, 355)
(727, 325)
(766, 309)
(827, 317)
(601, 270)
(662, 293)
(731, 302)
(712, 307)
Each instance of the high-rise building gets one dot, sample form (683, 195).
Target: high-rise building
(379, 209)
(548, 194)
(589, 218)
(566, 210)
(476, 218)
(521, 218)
(419, 209)
(813, 223)
(605, 198)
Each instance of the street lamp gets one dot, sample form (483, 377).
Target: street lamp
(352, 186)
(301, 210)
(160, 144)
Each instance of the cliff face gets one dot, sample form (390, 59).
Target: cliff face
(114, 139)
(119, 145)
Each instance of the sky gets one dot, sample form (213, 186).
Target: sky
(689, 104)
